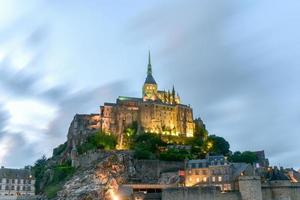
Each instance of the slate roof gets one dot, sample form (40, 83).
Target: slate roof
(14, 173)
(150, 79)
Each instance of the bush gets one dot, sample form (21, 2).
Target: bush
(61, 172)
(174, 155)
(246, 157)
(51, 190)
(98, 141)
(58, 150)
(216, 145)
(143, 153)
(151, 142)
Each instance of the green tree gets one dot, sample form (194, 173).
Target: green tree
(130, 134)
(216, 145)
(98, 141)
(147, 146)
(39, 170)
(246, 157)
(174, 155)
(151, 141)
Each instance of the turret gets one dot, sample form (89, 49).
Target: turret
(173, 95)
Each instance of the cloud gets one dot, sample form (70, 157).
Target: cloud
(223, 64)
(81, 102)
(236, 63)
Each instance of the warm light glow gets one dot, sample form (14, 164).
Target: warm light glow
(209, 145)
(113, 195)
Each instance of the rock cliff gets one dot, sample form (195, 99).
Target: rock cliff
(99, 181)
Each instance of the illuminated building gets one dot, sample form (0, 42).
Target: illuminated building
(156, 111)
(215, 171)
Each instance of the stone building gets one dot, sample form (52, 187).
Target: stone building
(16, 182)
(156, 111)
(215, 171)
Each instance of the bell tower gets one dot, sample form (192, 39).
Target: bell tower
(150, 85)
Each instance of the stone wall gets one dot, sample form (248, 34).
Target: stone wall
(149, 171)
(198, 193)
(281, 190)
(250, 189)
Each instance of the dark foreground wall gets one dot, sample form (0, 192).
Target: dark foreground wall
(198, 194)
(274, 190)
(281, 190)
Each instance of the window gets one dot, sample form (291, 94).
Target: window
(213, 179)
(19, 181)
(7, 180)
(198, 180)
(18, 188)
(204, 179)
(220, 178)
(12, 187)
(23, 188)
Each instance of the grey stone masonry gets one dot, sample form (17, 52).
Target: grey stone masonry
(250, 187)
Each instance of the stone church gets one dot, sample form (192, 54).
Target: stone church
(156, 111)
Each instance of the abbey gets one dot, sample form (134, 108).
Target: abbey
(156, 111)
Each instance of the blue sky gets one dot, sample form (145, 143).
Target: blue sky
(235, 62)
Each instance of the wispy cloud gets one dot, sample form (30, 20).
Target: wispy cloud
(236, 63)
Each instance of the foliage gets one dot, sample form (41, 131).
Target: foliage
(142, 152)
(151, 141)
(51, 190)
(216, 145)
(200, 131)
(58, 150)
(246, 156)
(172, 139)
(38, 170)
(61, 172)
(50, 184)
(147, 145)
(130, 134)
(174, 155)
(98, 141)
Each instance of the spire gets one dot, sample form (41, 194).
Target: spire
(149, 72)
(173, 91)
(149, 78)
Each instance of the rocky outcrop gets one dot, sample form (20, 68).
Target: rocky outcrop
(100, 181)
(100, 174)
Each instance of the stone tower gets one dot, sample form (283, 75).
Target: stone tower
(150, 85)
(250, 187)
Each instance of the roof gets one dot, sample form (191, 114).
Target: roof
(109, 104)
(15, 173)
(123, 98)
(150, 79)
(239, 168)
